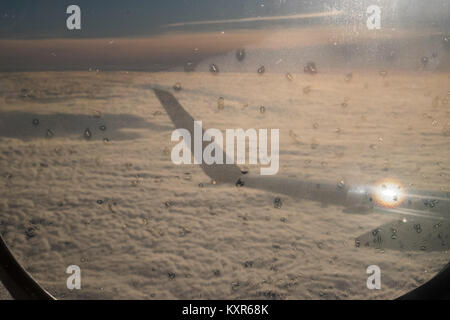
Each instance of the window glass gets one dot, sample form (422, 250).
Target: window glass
(337, 186)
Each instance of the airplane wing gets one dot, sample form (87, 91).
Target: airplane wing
(408, 234)
(424, 216)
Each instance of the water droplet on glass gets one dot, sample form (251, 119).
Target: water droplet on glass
(277, 203)
(348, 77)
(244, 170)
(306, 89)
(310, 68)
(183, 232)
(213, 68)
(187, 176)
(189, 66)
(430, 203)
(97, 114)
(166, 151)
(261, 70)
(30, 232)
(49, 133)
(424, 61)
(221, 103)
(240, 54)
(294, 136)
(171, 275)
(418, 228)
(87, 134)
(394, 234)
(177, 86)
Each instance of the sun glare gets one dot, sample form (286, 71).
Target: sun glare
(388, 193)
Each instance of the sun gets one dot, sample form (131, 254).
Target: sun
(388, 193)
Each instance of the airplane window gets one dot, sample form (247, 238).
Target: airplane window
(240, 149)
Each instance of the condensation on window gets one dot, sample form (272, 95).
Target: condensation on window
(358, 176)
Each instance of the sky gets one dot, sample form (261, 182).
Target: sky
(107, 18)
(155, 34)
(103, 18)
